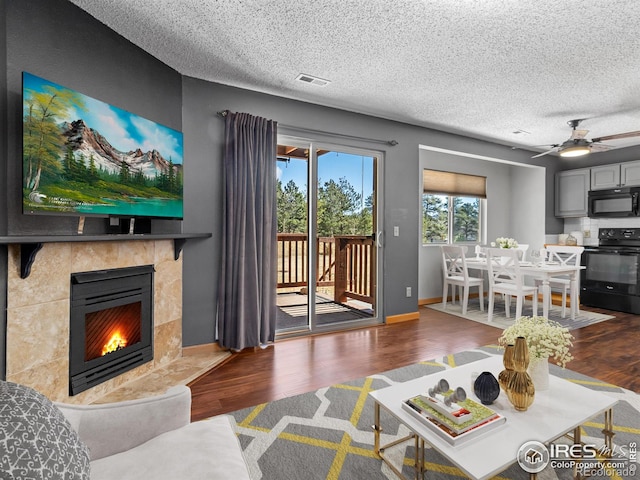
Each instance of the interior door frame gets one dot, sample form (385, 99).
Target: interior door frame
(312, 197)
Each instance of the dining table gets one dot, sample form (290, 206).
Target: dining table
(542, 271)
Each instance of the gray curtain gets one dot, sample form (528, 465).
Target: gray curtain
(247, 300)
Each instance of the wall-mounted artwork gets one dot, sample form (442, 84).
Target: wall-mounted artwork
(82, 156)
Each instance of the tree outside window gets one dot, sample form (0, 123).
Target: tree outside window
(341, 209)
(450, 219)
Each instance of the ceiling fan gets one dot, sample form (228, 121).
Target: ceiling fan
(577, 145)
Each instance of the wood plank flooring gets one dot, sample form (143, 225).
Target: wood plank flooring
(608, 351)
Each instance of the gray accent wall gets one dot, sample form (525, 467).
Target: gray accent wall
(3, 114)
(204, 131)
(3, 185)
(203, 140)
(58, 41)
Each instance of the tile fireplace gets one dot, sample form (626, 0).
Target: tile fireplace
(38, 312)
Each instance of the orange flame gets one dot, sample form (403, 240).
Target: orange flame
(116, 342)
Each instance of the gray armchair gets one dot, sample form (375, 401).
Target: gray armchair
(153, 438)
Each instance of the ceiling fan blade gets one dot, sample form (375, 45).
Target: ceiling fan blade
(578, 134)
(600, 147)
(545, 153)
(616, 136)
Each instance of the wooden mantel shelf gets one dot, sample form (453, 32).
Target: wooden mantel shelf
(30, 245)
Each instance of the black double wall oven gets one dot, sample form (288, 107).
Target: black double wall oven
(611, 278)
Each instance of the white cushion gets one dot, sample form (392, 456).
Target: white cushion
(208, 449)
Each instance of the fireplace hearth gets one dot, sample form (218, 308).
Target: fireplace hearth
(111, 322)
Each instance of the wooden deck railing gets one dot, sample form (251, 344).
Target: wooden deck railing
(346, 263)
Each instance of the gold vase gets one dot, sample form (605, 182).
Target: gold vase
(520, 389)
(506, 374)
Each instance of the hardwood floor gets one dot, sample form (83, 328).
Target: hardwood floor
(607, 351)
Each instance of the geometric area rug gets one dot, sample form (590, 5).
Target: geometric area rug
(327, 434)
(583, 318)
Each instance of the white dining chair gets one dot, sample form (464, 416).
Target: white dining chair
(505, 277)
(564, 255)
(456, 274)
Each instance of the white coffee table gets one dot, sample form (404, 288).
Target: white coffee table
(561, 409)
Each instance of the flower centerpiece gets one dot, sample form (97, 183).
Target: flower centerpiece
(545, 339)
(504, 242)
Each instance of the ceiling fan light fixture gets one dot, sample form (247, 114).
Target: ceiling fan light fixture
(575, 148)
(575, 151)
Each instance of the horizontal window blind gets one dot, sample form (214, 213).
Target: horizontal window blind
(455, 184)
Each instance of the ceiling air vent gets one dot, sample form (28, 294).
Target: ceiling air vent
(319, 82)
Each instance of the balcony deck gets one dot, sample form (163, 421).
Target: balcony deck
(293, 311)
(344, 280)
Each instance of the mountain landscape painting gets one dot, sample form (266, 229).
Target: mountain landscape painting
(82, 156)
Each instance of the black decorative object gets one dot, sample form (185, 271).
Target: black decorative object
(486, 388)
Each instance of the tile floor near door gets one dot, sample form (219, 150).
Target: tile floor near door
(191, 365)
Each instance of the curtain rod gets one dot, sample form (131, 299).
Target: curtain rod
(393, 143)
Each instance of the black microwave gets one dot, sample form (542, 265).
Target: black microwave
(614, 202)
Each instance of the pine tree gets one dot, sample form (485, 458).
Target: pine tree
(124, 173)
(435, 227)
(291, 208)
(93, 171)
(171, 178)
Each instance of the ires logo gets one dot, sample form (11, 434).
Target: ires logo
(533, 457)
(561, 451)
(618, 461)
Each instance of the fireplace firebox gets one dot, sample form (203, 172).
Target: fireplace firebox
(111, 324)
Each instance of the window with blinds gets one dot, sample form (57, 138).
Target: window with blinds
(455, 184)
(452, 206)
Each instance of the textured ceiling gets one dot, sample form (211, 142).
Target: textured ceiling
(482, 68)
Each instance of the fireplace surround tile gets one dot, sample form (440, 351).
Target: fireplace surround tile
(38, 307)
(47, 378)
(137, 253)
(87, 257)
(168, 294)
(163, 252)
(37, 334)
(168, 342)
(47, 279)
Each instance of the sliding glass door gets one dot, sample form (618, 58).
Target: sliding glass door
(328, 194)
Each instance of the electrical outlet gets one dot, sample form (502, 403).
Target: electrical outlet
(396, 231)
(408, 291)
(586, 234)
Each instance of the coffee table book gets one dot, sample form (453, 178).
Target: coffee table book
(483, 419)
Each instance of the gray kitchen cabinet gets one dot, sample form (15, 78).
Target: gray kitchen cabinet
(615, 175)
(605, 176)
(630, 174)
(571, 190)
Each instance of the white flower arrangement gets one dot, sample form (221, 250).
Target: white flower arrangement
(504, 242)
(545, 338)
